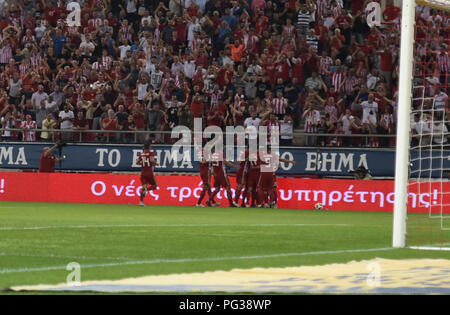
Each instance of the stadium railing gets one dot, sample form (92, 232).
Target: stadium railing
(164, 137)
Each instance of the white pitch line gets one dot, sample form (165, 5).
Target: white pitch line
(183, 260)
(65, 257)
(31, 228)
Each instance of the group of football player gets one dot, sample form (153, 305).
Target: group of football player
(256, 181)
(255, 177)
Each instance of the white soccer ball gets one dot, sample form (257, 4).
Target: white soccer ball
(318, 206)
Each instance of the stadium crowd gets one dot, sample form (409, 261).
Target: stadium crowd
(146, 65)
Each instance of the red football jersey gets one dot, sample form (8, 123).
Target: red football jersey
(145, 161)
(269, 163)
(47, 164)
(217, 164)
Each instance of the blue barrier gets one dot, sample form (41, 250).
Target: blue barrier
(310, 161)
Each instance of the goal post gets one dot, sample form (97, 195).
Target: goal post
(421, 217)
(404, 122)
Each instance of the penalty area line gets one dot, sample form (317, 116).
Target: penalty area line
(185, 260)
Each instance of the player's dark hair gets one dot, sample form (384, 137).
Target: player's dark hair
(147, 145)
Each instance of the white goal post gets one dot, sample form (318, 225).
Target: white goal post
(404, 123)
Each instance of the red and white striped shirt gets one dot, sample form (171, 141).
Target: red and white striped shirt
(96, 22)
(5, 54)
(272, 126)
(322, 8)
(337, 10)
(28, 135)
(35, 61)
(106, 62)
(337, 79)
(23, 68)
(28, 39)
(279, 105)
(325, 64)
(350, 83)
(250, 42)
(312, 120)
(290, 30)
(125, 33)
(443, 62)
(215, 97)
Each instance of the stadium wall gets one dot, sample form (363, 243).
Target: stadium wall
(334, 194)
(323, 162)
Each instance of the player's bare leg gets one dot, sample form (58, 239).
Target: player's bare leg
(249, 195)
(143, 194)
(245, 198)
(230, 198)
(262, 197)
(274, 197)
(206, 189)
(238, 194)
(211, 201)
(145, 190)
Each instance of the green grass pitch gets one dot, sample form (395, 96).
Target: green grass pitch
(38, 240)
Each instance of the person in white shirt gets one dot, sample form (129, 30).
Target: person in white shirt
(142, 87)
(346, 123)
(66, 122)
(189, 67)
(124, 48)
(39, 30)
(254, 69)
(156, 78)
(439, 133)
(372, 79)
(176, 67)
(440, 100)
(87, 47)
(146, 17)
(421, 131)
(286, 130)
(192, 27)
(38, 96)
(7, 122)
(251, 125)
(370, 110)
(150, 65)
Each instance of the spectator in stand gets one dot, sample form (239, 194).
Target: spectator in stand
(42, 113)
(80, 123)
(386, 126)
(28, 126)
(110, 124)
(286, 130)
(315, 82)
(39, 96)
(128, 125)
(156, 122)
(48, 123)
(15, 88)
(251, 125)
(280, 105)
(311, 116)
(7, 122)
(66, 123)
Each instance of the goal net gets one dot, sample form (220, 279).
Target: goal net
(422, 209)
